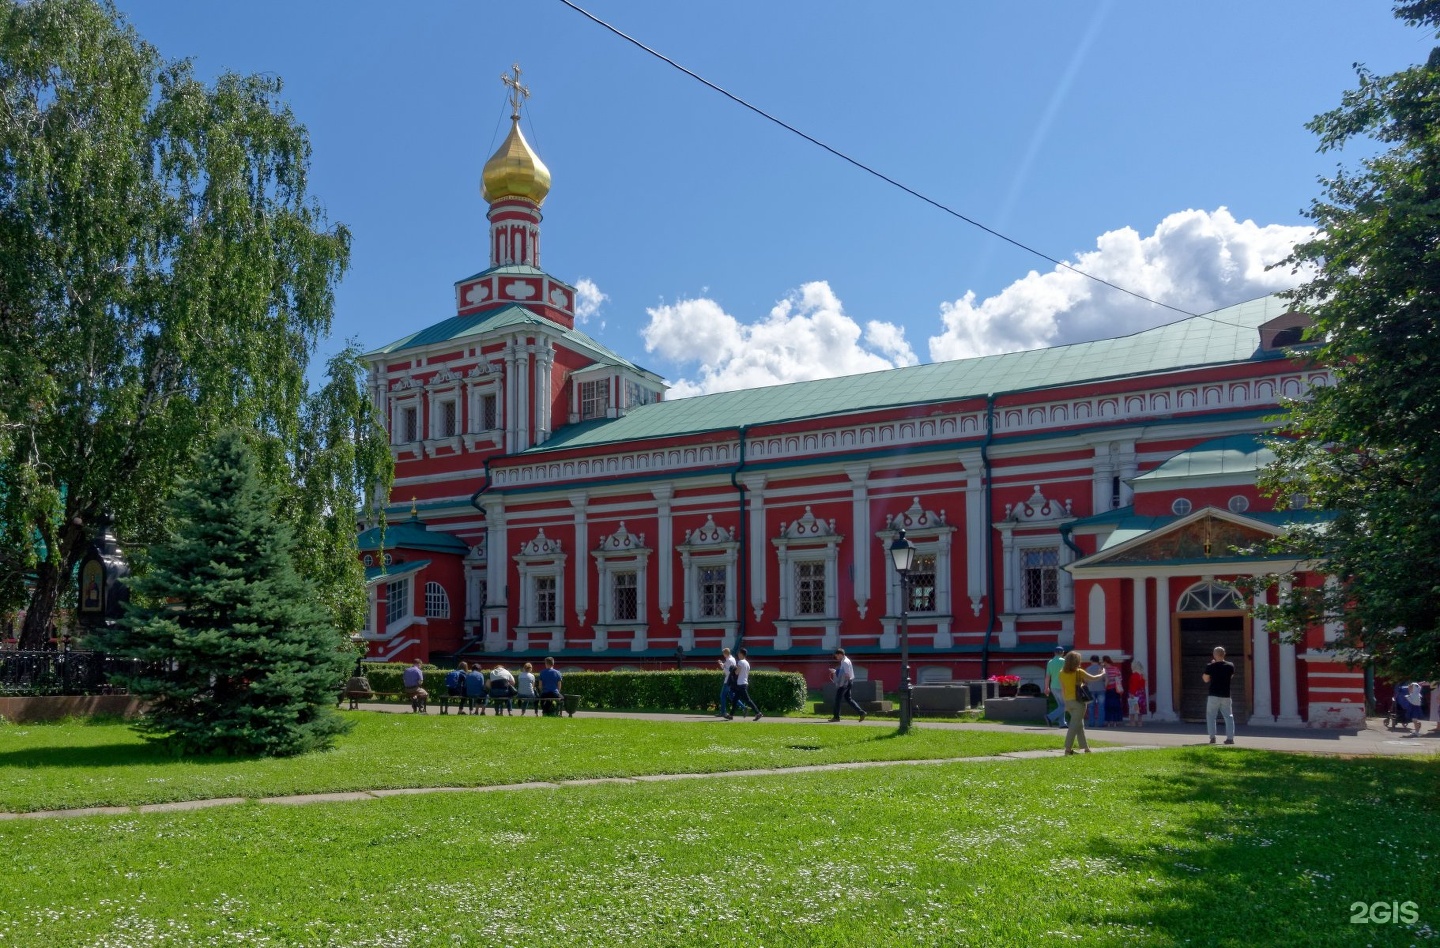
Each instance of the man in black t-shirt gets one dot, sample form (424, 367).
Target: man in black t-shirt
(1217, 675)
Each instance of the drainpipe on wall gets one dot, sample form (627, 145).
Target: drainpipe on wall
(742, 560)
(989, 531)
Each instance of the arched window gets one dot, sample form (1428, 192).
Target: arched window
(437, 604)
(1209, 597)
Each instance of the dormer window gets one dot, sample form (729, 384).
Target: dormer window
(594, 399)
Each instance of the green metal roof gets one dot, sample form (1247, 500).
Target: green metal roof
(1242, 454)
(374, 573)
(509, 269)
(465, 330)
(1225, 336)
(1128, 525)
(412, 534)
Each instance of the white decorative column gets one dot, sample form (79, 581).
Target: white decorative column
(665, 547)
(582, 543)
(1260, 712)
(544, 379)
(522, 385)
(1164, 660)
(1289, 689)
(755, 492)
(497, 605)
(1129, 466)
(859, 475)
(975, 536)
(512, 401)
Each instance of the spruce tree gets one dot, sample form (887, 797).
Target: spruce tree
(245, 659)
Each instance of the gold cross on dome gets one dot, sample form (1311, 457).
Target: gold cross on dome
(518, 93)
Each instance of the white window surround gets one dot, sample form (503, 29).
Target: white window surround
(444, 387)
(621, 552)
(540, 556)
(475, 583)
(1033, 525)
(484, 381)
(931, 536)
(401, 589)
(399, 404)
(708, 547)
(808, 540)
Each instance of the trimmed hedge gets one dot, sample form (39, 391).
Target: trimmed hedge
(774, 692)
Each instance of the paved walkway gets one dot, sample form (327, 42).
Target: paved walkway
(1371, 740)
(351, 796)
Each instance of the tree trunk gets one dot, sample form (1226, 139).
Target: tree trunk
(35, 633)
(68, 547)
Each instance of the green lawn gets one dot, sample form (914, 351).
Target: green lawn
(51, 766)
(1178, 847)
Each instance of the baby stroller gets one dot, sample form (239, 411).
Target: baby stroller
(1402, 713)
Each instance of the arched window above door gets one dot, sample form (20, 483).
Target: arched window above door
(1209, 597)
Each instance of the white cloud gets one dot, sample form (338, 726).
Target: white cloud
(587, 299)
(806, 336)
(1196, 260)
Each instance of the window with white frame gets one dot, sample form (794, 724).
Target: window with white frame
(707, 560)
(637, 395)
(625, 592)
(594, 399)
(437, 603)
(1040, 578)
(397, 601)
(620, 560)
(810, 588)
(541, 565)
(543, 600)
(929, 578)
(447, 424)
(409, 424)
(922, 583)
(489, 412)
(714, 584)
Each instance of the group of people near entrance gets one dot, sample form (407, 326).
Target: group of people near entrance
(1078, 692)
(1114, 700)
(476, 689)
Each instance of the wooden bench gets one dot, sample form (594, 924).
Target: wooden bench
(355, 697)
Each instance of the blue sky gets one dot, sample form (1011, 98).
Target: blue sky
(730, 252)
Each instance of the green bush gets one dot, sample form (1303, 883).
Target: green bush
(773, 692)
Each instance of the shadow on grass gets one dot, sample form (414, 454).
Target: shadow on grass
(109, 755)
(1276, 849)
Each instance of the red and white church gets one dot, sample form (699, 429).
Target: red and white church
(548, 500)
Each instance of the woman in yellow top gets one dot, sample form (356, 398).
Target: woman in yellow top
(1070, 676)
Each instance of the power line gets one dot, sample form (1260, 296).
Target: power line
(869, 170)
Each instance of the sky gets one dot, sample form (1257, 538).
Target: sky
(1161, 146)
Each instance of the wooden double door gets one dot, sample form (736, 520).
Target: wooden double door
(1196, 635)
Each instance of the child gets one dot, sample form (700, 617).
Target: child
(1138, 698)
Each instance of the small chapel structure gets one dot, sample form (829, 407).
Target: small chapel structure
(549, 500)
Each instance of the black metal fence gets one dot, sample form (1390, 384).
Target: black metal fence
(69, 672)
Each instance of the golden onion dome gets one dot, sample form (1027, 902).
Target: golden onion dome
(515, 171)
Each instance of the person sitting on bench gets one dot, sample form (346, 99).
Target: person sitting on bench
(502, 689)
(526, 688)
(550, 696)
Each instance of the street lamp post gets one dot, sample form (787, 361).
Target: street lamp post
(902, 554)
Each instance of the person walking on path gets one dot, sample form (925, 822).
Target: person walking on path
(741, 690)
(1071, 677)
(844, 678)
(722, 704)
(1217, 675)
(1414, 693)
(1055, 715)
